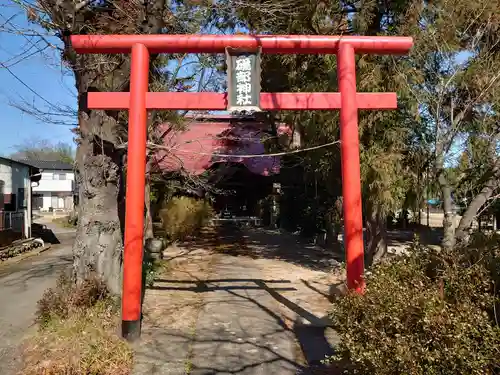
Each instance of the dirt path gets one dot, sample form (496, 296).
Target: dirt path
(21, 286)
(253, 305)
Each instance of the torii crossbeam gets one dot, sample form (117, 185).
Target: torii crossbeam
(139, 100)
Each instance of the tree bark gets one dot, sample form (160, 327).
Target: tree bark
(148, 222)
(333, 224)
(477, 203)
(448, 241)
(98, 247)
(376, 234)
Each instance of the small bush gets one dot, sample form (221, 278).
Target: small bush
(151, 268)
(426, 313)
(85, 343)
(78, 333)
(68, 297)
(73, 219)
(184, 217)
(66, 221)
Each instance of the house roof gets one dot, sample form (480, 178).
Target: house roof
(22, 162)
(203, 145)
(47, 164)
(34, 171)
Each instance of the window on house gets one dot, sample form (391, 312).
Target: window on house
(54, 201)
(59, 176)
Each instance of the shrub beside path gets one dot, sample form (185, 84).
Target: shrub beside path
(249, 302)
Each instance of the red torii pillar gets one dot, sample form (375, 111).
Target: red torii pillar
(139, 100)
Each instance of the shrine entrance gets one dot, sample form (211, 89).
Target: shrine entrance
(138, 101)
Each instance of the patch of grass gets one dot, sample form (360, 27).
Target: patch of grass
(67, 298)
(223, 247)
(78, 333)
(151, 268)
(64, 221)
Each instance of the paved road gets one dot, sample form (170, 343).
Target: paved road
(21, 286)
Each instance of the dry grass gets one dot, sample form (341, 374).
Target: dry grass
(63, 221)
(172, 308)
(78, 334)
(184, 217)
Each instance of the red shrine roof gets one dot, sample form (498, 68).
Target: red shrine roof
(208, 140)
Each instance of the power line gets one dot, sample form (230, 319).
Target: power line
(22, 56)
(25, 84)
(13, 74)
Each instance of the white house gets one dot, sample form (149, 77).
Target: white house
(56, 189)
(16, 180)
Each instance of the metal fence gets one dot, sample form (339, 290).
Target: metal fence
(13, 220)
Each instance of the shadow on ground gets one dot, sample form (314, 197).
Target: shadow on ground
(254, 350)
(312, 339)
(427, 235)
(235, 240)
(263, 243)
(21, 273)
(45, 233)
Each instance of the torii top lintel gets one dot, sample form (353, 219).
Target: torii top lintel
(272, 44)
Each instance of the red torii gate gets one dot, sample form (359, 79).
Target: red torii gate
(139, 100)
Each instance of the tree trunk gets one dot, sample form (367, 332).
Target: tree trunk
(477, 203)
(376, 235)
(98, 246)
(148, 222)
(428, 211)
(419, 198)
(333, 224)
(331, 232)
(448, 241)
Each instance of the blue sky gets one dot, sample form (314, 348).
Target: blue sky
(43, 74)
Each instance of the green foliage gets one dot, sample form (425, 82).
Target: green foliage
(384, 136)
(447, 94)
(45, 150)
(426, 313)
(474, 167)
(151, 268)
(183, 217)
